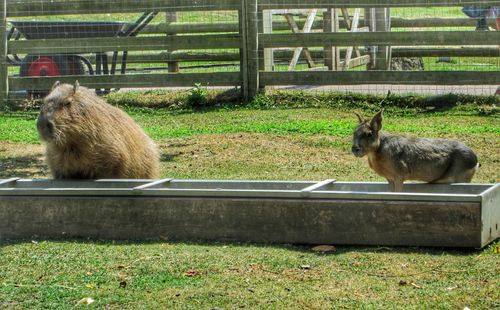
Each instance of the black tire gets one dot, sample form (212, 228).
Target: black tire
(76, 65)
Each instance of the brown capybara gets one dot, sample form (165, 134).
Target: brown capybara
(87, 138)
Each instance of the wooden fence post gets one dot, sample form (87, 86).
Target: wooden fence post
(250, 35)
(383, 23)
(332, 53)
(4, 83)
(170, 17)
(378, 19)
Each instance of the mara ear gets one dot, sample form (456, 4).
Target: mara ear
(75, 87)
(57, 83)
(360, 117)
(376, 122)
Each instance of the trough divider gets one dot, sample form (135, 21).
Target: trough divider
(306, 191)
(11, 180)
(151, 184)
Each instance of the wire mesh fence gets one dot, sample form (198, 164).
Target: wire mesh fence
(360, 46)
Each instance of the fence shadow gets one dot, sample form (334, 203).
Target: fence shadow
(22, 166)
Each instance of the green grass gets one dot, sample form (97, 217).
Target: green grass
(162, 124)
(117, 275)
(279, 136)
(306, 137)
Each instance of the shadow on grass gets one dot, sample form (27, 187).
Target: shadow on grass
(22, 166)
(301, 248)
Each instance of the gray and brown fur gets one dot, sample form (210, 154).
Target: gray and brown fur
(399, 158)
(87, 138)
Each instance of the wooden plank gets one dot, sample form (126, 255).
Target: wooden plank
(479, 51)
(380, 77)
(356, 222)
(353, 27)
(268, 53)
(4, 85)
(242, 19)
(171, 17)
(280, 4)
(88, 45)
(252, 47)
(359, 61)
(306, 29)
(383, 53)
(16, 8)
(328, 27)
(396, 22)
(130, 80)
(381, 38)
(286, 54)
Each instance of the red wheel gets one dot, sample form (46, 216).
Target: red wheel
(43, 66)
(35, 65)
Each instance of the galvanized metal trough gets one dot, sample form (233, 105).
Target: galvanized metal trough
(327, 212)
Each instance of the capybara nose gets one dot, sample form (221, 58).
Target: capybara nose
(355, 149)
(44, 125)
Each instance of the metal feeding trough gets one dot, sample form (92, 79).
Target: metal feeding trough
(327, 212)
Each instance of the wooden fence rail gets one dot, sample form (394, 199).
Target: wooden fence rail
(245, 41)
(189, 28)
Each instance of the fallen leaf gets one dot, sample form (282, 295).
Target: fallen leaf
(123, 284)
(497, 250)
(305, 267)
(90, 285)
(324, 248)
(449, 289)
(85, 301)
(402, 282)
(192, 273)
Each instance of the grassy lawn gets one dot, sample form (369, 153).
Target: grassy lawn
(288, 138)
(252, 142)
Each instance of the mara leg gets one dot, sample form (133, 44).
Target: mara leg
(398, 185)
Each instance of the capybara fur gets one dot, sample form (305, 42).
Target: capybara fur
(87, 138)
(399, 158)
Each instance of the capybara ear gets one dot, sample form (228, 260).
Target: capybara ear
(360, 117)
(57, 83)
(75, 87)
(376, 122)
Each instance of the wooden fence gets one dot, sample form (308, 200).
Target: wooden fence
(246, 35)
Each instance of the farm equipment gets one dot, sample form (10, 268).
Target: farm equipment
(64, 64)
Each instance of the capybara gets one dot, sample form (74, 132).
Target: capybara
(87, 138)
(399, 158)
